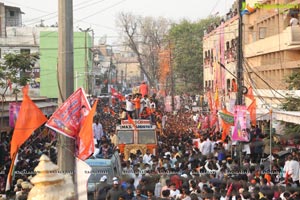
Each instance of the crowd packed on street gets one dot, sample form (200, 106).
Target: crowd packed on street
(182, 169)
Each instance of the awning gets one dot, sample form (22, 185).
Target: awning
(287, 116)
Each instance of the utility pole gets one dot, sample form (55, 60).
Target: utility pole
(172, 76)
(239, 67)
(66, 145)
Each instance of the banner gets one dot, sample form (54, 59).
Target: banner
(68, 118)
(14, 109)
(239, 131)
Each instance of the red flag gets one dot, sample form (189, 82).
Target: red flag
(30, 118)
(69, 117)
(252, 110)
(250, 93)
(131, 121)
(9, 84)
(116, 94)
(85, 138)
(209, 100)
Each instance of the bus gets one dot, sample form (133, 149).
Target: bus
(141, 136)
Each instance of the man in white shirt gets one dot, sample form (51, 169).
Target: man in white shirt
(97, 131)
(206, 147)
(294, 21)
(147, 157)
(129, 106)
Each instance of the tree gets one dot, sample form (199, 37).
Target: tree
(13, 74)
(186, 39)
(292, 103)
(144, 36)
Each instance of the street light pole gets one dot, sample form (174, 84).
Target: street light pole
(85, 58)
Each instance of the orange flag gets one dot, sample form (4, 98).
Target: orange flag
(234, 86)
(250, 93)
(131, 121)
(216, 99)
(252, 110)
(86, 146)
(225, 130)
(30, 118)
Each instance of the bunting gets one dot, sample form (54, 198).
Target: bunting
(86, 146)
(30, 117)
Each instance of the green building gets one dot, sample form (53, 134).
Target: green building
(49, 61)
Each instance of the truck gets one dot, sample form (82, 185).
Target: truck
(139, 134)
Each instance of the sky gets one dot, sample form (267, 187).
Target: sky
(100, 15)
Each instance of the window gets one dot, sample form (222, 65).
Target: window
(11, 13)
(25, 51)
(147, 137)
(125, 137)
(262, 32)
(227, 46)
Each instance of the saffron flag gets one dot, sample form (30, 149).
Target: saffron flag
(130, 120)
(11, 171)
(116, 94)
(216, 99)
(69, 117)
(234, 86)
(252, 110)
(86, 146)
(250, 93)
(30, 117)
(227, 120)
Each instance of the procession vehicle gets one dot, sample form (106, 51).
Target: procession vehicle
(110, 167)
(136, 135)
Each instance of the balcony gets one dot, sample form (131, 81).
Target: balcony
(294, 35)
(288, 39)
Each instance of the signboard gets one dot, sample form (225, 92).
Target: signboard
(240, 120)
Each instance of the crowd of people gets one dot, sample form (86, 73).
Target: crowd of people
(190, 163)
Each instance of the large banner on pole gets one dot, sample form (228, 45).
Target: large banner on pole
(69, 117)
(240, 122)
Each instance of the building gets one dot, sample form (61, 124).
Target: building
(271, 49)
(220, 46)
(9, 17)
(49, 62)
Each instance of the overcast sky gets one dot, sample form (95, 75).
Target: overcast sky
(100, 15)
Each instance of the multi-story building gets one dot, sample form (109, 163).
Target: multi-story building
(271, 48)
(49, 61)
(9, 16)
(219, 46)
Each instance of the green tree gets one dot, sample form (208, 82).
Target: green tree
(292, 104)
(13, 74)
(186, 41)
